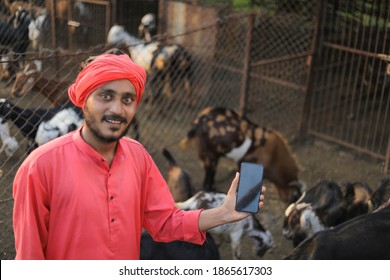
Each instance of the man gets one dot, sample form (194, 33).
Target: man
(88, 194)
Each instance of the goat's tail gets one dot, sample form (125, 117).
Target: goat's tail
(186, 142)
(169, 157)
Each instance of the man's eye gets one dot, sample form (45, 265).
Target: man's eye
(128, 100)
(105, 96)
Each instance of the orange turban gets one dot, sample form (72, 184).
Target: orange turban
(106, 68)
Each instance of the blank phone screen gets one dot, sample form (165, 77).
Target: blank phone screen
(249, 187)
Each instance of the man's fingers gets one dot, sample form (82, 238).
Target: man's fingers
(233, 186)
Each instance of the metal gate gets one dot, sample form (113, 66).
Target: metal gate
(79, 24)
(349, 93)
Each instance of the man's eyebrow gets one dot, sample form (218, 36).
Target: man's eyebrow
(112, 91)
(102, 89)
(132, 94)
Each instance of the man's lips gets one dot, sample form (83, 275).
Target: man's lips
(114, 120)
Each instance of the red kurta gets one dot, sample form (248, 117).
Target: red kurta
(70, 205)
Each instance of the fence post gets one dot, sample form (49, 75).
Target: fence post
(114, 13)
(161, 18)
(53, 24)
(312, 61)
(246, 66)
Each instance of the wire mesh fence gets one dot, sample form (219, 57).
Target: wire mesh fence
(257, 63)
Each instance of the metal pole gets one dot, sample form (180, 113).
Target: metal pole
(246, 66)
(312, 63)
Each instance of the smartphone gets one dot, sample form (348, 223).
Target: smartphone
(249, 187)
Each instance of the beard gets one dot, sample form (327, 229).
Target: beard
(92, 123)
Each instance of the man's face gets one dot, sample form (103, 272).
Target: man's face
(109, 110)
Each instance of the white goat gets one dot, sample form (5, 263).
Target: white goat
(64, 121)
(37, 31)
(165, 64)
(140, 52)
(10, 145)
(250, 226)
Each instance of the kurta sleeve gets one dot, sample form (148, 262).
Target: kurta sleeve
(163, 220)
(30, 214)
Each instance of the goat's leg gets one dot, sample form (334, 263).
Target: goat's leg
(236, 248)
(210, 167)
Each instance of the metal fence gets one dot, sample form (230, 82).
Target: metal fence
(302, 67)
(349, 93)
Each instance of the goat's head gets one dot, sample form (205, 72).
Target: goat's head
(292, 220)
(381, 194)
(37, 28)
(21, 18)
(5, 109)
(148, 27)
(26, 79)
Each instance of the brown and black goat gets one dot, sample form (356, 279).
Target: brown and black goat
(220, 132)
(30, 78)
(324, 206)
(178, 180)
(365, 237)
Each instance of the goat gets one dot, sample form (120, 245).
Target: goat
(310, 213)
(37, 31)
(41, 125)
(34, 7)
(30, 78)
(147, 29)
(178, 180)
(365, 237)
(5, 65)
(14, 39)
(162, 62)
(178, 250)
(381, 194)
(325, 206)
(14, 6)
(10, 145)
(220, 132)
(250, 226)
(356, 201)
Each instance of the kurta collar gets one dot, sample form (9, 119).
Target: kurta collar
(85, 148)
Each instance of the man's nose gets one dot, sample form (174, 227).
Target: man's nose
(117, 107)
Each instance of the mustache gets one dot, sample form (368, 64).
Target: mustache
(114, 118)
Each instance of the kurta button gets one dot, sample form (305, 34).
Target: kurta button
(112, 220)
(111, 197)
